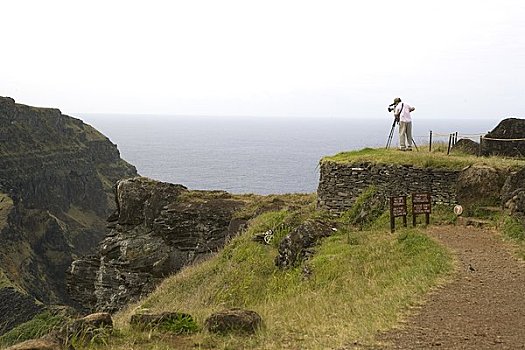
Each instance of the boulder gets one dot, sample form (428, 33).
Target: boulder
(88, 327)
(297, 246)
(234, 321)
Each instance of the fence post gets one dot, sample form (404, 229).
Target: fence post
(449, 143)
(430, 142)
(456, 141)
(480, 143)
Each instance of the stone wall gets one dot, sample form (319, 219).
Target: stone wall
(341, 184)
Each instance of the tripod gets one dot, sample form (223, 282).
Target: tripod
(389, 141)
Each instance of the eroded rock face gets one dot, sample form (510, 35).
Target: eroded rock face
(158, 229)
(56, 191)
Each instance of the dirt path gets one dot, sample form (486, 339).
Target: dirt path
(482, 308)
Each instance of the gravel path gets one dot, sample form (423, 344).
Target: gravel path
(482, 308)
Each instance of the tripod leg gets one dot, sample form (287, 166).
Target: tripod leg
(414, 142)
(389, 138)
(389, 141)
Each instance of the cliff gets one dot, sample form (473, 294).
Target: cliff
(158, 229)
(56, 191)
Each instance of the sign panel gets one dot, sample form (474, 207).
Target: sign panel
(421, 204)
(398, 206)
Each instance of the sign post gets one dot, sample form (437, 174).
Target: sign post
(421, 204)
(398, 207)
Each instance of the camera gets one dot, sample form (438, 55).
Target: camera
(391, 107)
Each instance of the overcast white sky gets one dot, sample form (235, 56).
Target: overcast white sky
(448, 58)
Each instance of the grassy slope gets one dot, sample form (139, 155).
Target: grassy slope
(423, 159)
(361, 283)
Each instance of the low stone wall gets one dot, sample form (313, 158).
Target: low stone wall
(341, 184)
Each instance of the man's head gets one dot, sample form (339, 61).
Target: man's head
(396, 100)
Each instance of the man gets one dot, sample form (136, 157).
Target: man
(402, 114)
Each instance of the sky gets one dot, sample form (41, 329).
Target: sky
(448, 58)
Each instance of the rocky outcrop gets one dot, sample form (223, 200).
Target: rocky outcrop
(56, 179)
(158, 228)
(480, 185)
(507, 139)
(299, 244)
(513, 195)
(16, 307)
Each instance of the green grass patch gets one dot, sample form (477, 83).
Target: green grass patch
(513, 228)
(423, 159)
(37, 327)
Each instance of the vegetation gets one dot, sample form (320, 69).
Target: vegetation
(39, 326)
(423, 158)
(349, 290)
(515, 230)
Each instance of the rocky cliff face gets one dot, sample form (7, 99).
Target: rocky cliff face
(56, 190)
(157, 229)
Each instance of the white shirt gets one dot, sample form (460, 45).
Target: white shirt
(403, 109)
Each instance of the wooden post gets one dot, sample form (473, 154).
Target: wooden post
(480, 143)
(456, 141)
(449, 143)
(430, 142)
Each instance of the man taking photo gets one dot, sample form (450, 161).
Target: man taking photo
(402, 114)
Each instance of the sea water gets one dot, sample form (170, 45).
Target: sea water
(254, 154)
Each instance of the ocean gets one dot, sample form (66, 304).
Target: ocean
(253, 155)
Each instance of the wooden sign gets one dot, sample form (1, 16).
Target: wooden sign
(421, 204)
(398, 207)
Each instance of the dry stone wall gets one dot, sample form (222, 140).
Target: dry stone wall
(341, 184)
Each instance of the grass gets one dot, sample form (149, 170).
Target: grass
(6, 204)
(39, 326)
(515, 230)
(354, 290)
(423, 159)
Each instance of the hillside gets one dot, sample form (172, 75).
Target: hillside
(354, 284)
(56, 191)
